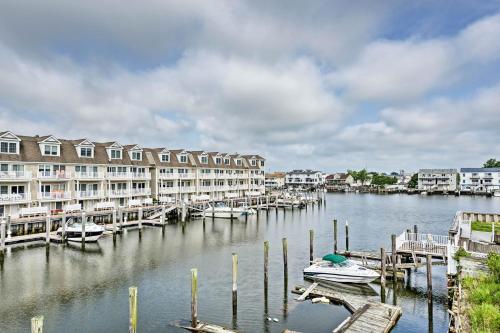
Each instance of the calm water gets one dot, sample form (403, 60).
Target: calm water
(88, 291)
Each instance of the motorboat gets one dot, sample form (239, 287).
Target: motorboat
(496, 194)
(337, 268)
(223, 211)
(74, 231)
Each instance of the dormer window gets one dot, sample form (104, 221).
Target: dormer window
(253, 162)
(116, 154)
(204, 159)
(183, 159)
(218, 160)
(238, 162)
(86, 152)
(136, 156)
(227, 161)
(51, 150)
(165, 157)
(8, 147)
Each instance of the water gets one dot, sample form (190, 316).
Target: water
(88, 291)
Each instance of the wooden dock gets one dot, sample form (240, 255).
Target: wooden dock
(368, 314)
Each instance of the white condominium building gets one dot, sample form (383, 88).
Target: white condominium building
(304, 178)
(480, 180)
(437, 179)
(45, 171)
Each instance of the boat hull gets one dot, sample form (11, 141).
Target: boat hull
(342, 278)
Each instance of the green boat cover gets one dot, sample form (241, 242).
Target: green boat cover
(335, 258)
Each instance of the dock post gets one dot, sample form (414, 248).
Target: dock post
(132, 305)
(47, 230)
(346, 236)
(194, 297)
(63, 222)
(285, 257)
(139, 218)
(231, 209)
(213, 210)
(183, 212)
(429, 277)
(114, 222)
(415, 231)
(393, 256)
(84, 220)
(311, 245)
(382, 266)
(37, 324)
(235, 284)
(266, 264)
(162, 216)
(2, 232)
(334, 236)
(9, 231)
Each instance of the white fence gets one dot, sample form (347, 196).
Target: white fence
(422, 243)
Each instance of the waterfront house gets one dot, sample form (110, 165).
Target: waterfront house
(339, 181)
(45, 171)
(439, 180)
(479, 180)
(304, 178)
(275, 180)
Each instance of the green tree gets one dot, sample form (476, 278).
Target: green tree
(413, 181)
(491, 163)
(363, 176)
(382, 180)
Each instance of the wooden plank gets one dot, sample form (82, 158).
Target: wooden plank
(307, 292)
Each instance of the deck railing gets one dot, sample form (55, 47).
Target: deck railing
(422, 243)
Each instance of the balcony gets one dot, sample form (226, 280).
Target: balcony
(15, 176)
(207, 176)
(54, 175)
(118, 175)
(168, 176)
(140, 191)
(206, 188)
(89, 194)
(90, 175)
(14, 198)
(189, 175)
(169, 190)
(56, 195)
(141, 175)
(187, 189)
(118, 193)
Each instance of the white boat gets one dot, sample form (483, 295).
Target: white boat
(423, 193)
(223, 211)
(74, 231)
(496, 194)
(336, 268)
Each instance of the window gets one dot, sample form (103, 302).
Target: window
(115, 153)
(262, 163)
(218, 160)
(51, 150)
(227, 161)
(183, 158)
(238, 162)
(204, 159)
(165, 157)
(85, 152)
(136, 155)
(254, 163)
(8, 147)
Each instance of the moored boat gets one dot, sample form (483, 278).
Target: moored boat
(74, 231)
(223, 211)
(338, 268)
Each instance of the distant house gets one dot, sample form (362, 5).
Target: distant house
(339, 181)
(479, 180)
(275, 180)
(437, 180)
(304, 178)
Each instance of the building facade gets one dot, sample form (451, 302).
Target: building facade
(480, 180)
(275, 180)
(442, 180)
(304, 178)
(339, 181)
(44, 171)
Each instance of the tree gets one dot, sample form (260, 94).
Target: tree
(491, 163)
(361, 175)
(413, 181)
(382, 180)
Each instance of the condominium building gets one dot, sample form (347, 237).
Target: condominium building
(50, 172)
(275, 180)
(304, 178)
(437, 179)
(479, 180)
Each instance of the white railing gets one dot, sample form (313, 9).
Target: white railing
(141, 175)
(207, 176)
(72, 208)
(57, 195)
(14, 197)
(89, 175)
(104, 205)
(118, 175)
(189, 175)
(423, 243)
(168, 175)
(140, 191)
(119, 193)
(89, 194)
(31, 211)
(63, 175)
(206, 188)
(15, 175)
(169, 190)
(184, 189)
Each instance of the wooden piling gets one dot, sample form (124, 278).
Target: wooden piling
(162, 216)
(194, 297)
(114, 221)
(9, 224)
(63, 222)
(235, 283)
(429, 277)
(285, 257)
(84, 220)
(37, 324)
(311, 245)
(47, 230)
(334, 236)
(132, 303)
(232, 210)
(382, 266)
(393, 256)
(139, 218)
(2, 236)
(346, 236)
(266, 264)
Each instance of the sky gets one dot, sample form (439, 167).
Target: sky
(326, 85)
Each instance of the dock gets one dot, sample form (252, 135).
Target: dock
(368, 314)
